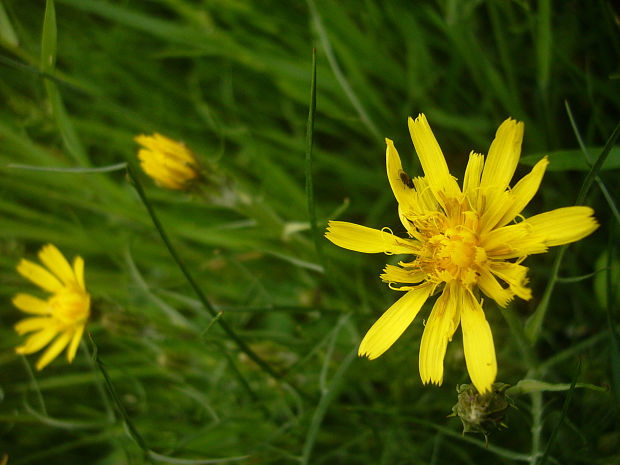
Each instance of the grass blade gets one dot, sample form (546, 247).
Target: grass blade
(614, 337)
(321, 408)
(342, 80)
(543, 43)
(7, 33)
(309, 184)
(533, 325)
(48, 64)
(48, 38)
(174, 461)
(556, 429)
(62, 169)
(593, 174)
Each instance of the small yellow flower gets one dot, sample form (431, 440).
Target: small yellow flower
(168, 162)
(63, 315)
(463, 241)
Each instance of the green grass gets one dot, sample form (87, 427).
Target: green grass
(80, 78)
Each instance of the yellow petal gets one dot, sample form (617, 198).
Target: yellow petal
(75, 341)
(396, 274)
(514, 275)
(54, 349)
(27, 325)
(39, 275)
(493, 289)
(503, 156)
(471, 180)
(173, 148)
(393, 323)
(37, 341)
(431, 158)
(564, 225)
(524, 190)
(478, 345)
(163, 179)
(177, 167)
(160, 166)
(30, 304)
(162, 144)
(400, 182)
(55, 261)
(405, 219)
(495, 205)
(513, 241)
(78, 269)
(438, 331)
(426, 199)
(362, 239)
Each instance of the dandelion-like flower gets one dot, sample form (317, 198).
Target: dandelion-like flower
(462, 241)
(168, 162)
(63, 315)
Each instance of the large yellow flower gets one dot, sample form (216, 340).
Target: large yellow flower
(168, 162)
(463, 241)
(63, 315)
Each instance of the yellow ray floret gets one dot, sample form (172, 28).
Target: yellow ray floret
(362, 239)
(477, 343)
(431, 158)
(59, 320)
(393, 323)
(461, 243)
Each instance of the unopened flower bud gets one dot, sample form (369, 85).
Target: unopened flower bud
(168, 162)
(481, 413)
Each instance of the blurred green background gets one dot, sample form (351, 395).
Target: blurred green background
(232, 80)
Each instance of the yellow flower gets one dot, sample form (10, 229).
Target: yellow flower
(168, 162)
(463, 241)
(63, 315)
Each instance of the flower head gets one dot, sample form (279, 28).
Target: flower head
(168, 162)
(63, 315)
(463, 241)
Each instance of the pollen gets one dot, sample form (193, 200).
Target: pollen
(70, 307)
(453, 254)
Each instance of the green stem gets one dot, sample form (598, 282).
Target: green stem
(537, 408)
(35, 385)
(516, 328)
(99, 385)
(203, 299)
(132, 430)
(529, 355)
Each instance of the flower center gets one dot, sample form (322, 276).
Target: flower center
(454, 255)
(70, 307)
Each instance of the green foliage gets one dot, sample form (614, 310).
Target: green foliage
(233, 80)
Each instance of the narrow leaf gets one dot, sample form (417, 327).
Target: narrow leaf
(556, 429)
(309, 182)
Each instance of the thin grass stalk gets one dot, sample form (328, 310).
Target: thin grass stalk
(243, 346)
